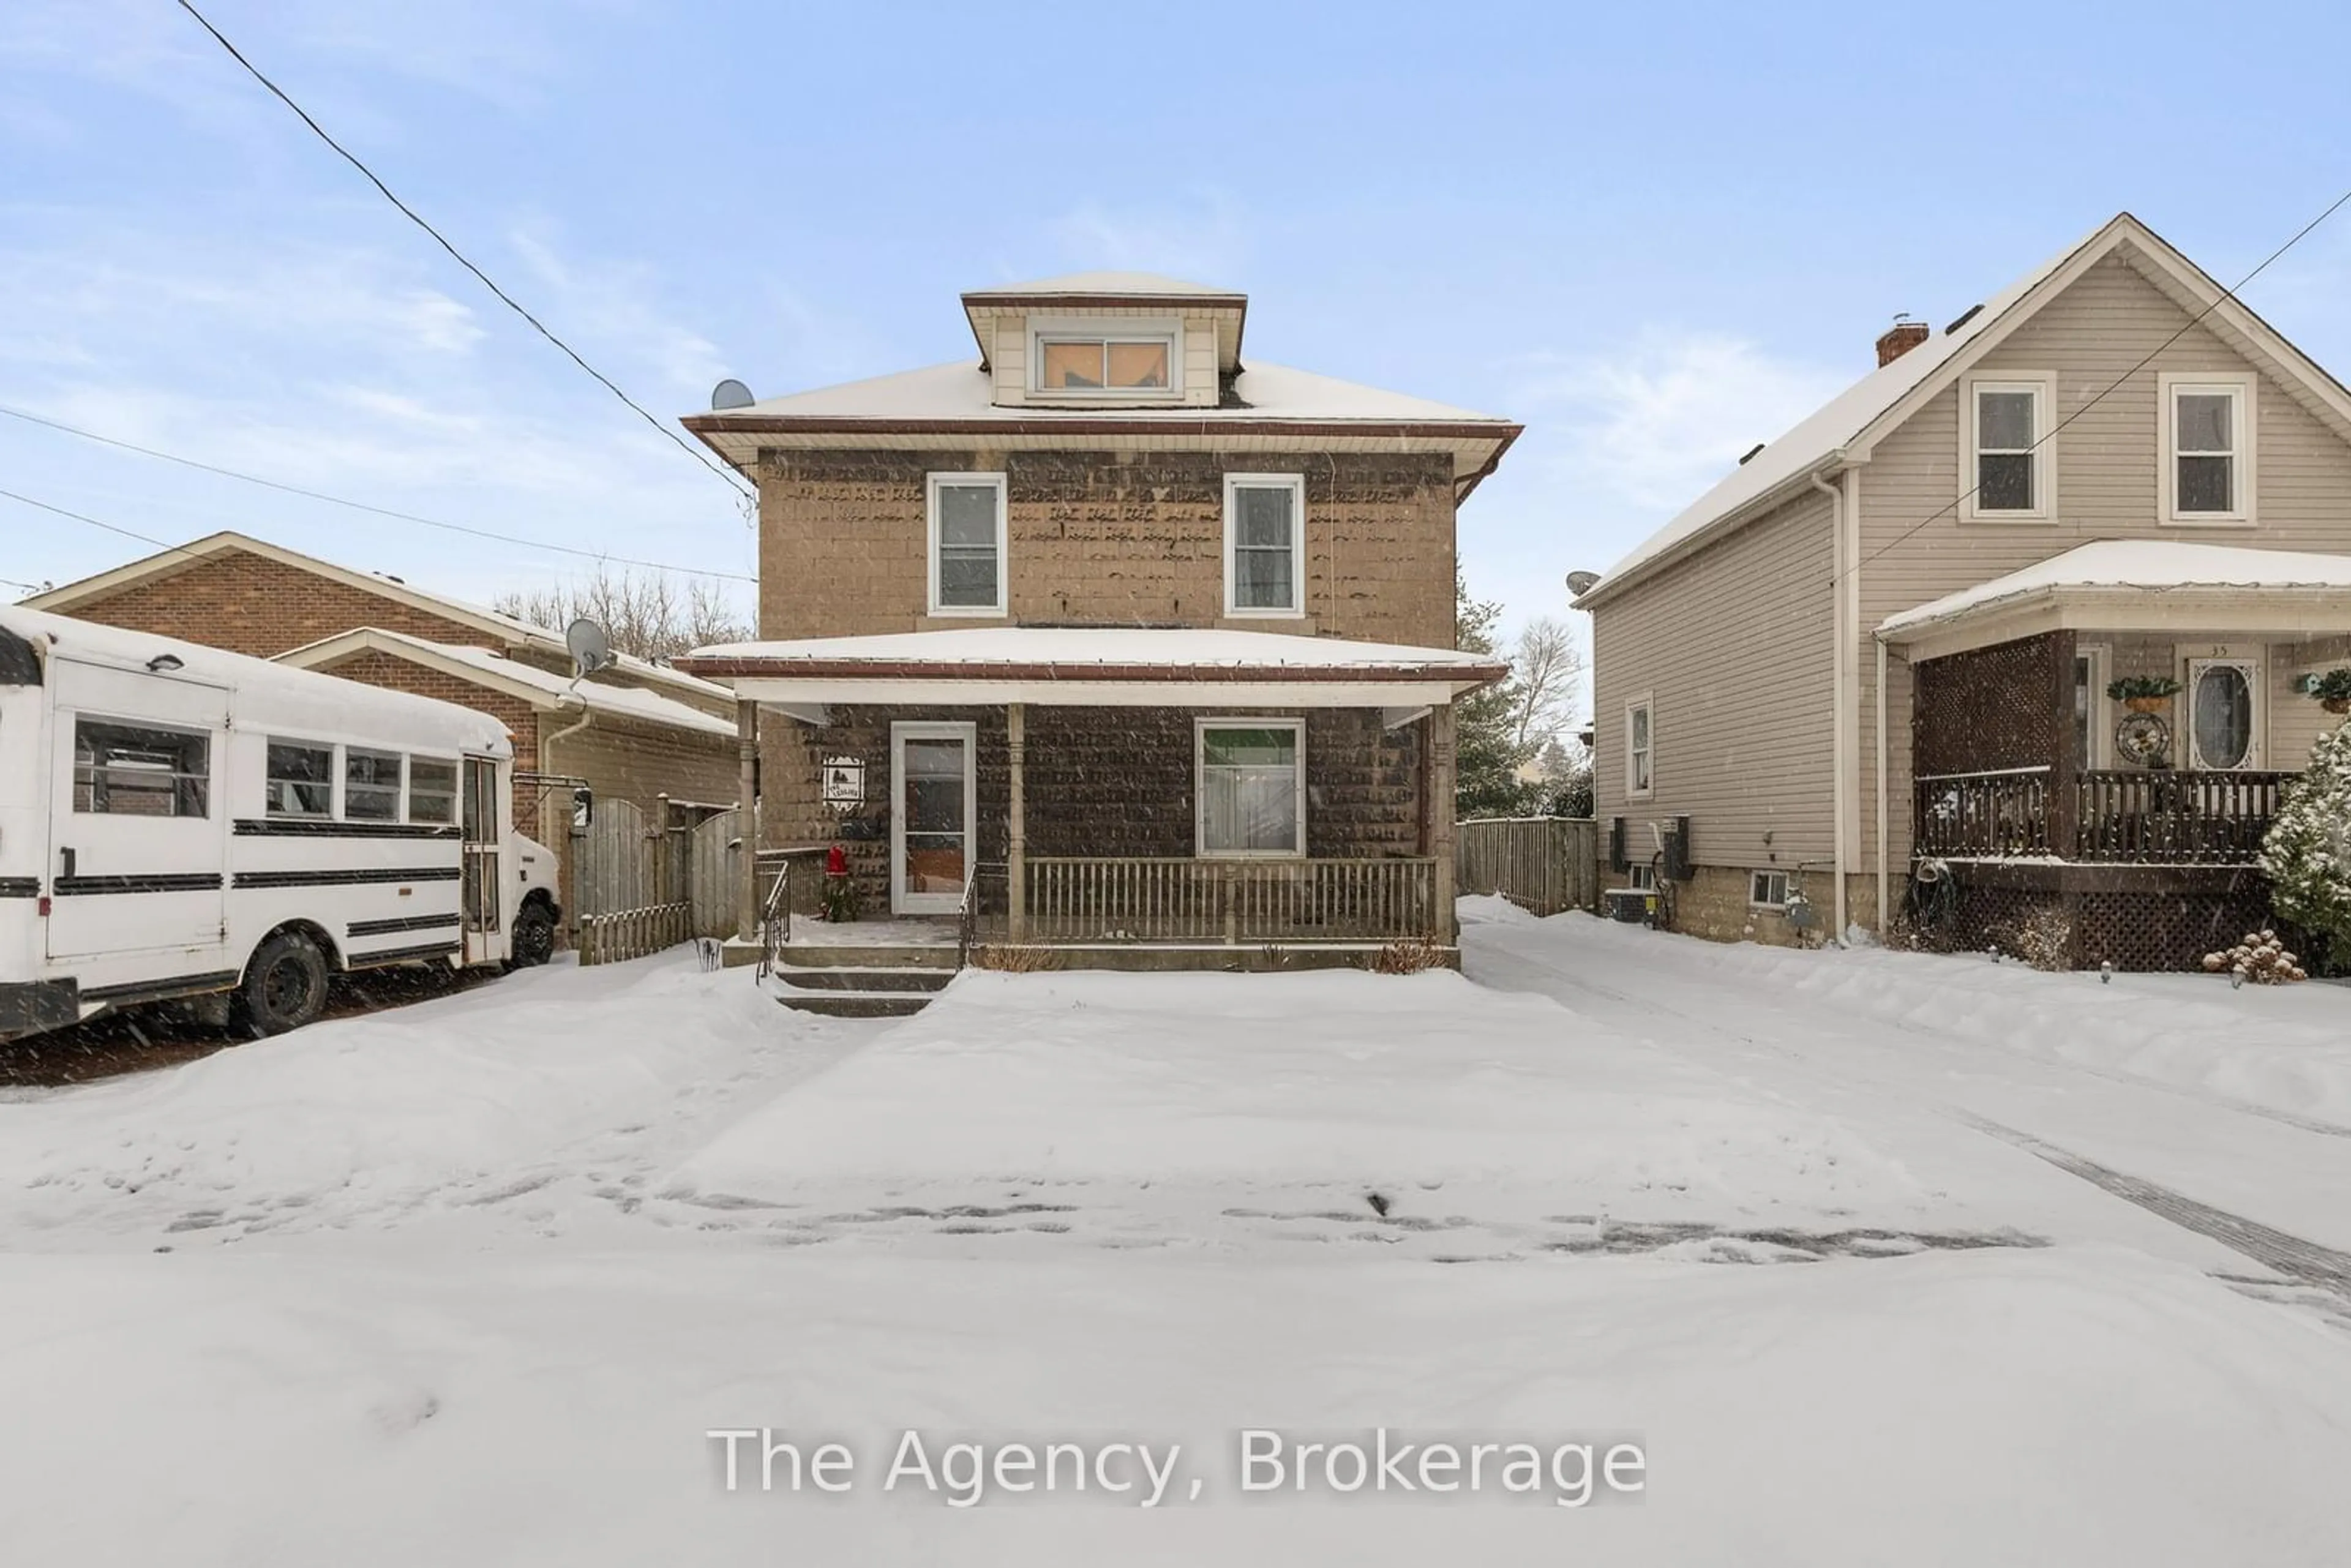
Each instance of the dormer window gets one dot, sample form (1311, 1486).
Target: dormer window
(1090, 360)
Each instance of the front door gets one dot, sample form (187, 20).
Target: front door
(930, 822)
(2224, 712)
(485, 893)
(139, 820)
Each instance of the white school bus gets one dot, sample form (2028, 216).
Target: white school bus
(180, 822)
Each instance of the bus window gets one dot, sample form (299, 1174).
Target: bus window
(301, 779)
(432, 790)
(139, 770)
(371, 784)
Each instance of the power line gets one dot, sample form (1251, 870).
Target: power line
(410, 214)
(2190, 325)
(31, 418)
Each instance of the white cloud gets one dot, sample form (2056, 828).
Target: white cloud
(1201, 238)
(615, 306)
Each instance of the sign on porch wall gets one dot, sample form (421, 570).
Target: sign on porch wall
(844, 781)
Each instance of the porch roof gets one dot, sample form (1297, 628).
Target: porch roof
(1096, 666)
(2136, 585)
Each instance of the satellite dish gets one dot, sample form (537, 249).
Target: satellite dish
(730, 393)
(591, 649)
(1580, 582)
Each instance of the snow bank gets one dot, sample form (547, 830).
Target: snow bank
(1331, 1078)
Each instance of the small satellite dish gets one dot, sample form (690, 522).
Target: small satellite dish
(730, 393)
(591, 649)
(1580, 582)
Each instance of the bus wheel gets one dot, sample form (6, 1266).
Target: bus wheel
(285, 986)
(534, 937)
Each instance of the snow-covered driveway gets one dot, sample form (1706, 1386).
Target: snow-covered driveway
(469, 1282)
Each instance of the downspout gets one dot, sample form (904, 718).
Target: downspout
(1840, 696)
(571, 861)
(1883, 889)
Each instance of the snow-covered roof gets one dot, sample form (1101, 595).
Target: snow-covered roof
(2152, 566)
(1119, 284)
(1843, 429)
(1099, 653)
(263, 692)
(962, 394)
(541, 688)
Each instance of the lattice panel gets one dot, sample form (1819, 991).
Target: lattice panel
(2167, 931)
(1989, 708)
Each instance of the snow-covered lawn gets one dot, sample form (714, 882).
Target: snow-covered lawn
(469, 1282)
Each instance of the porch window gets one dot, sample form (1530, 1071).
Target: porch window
(1105, 364)
(1253, 787)
(967, 544)
(371, 785)
(2208, 450)
(301, 779)
(1265, 544)
(1639, 746)
(140, 770)
(2006, 440)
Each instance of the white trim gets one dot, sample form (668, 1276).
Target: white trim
(1201, 724)
(982, 692)
(1645, 703)
(901, 731)
(2251, 659)
(2043, 385)
(2100, 720)
(1106, 330)
(2243, 388)
(930, 485)
(1296, 485)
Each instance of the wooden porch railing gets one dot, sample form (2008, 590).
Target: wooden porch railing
(2151, 816)
(1073, 899)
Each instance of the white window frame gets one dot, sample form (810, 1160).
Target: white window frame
(1641, 876)
(902, 731)
(2101, 708)
(1201, 724)
(1761, 876)
(2043, 385)
(931, 486)
(2242, 388)
(1634, 789)
(1296, 485)
(1106, 329)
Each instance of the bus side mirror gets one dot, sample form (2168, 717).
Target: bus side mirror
(583, 809)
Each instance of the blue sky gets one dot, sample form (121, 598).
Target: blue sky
(1656, 235)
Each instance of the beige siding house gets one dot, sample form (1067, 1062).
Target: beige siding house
(1876, 657)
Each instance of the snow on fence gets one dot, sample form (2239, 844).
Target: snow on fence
(634, 933)
(1544, 863)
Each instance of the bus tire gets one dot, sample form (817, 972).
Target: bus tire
(285, 986)
(533, 940)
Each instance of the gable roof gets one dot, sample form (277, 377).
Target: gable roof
(1842, 432)
(541, 688)
(180, 558)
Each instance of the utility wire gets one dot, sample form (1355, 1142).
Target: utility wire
(31, 418)
(93, 522)
(2192, 323)
(410, 213)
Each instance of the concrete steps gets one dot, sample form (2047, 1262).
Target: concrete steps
(862, 980)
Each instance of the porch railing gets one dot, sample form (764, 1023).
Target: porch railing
(1086, 900)
(2110, 816)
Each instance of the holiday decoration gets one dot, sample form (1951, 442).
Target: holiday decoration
(2260, 958)
(840, 891)
(2307, 855)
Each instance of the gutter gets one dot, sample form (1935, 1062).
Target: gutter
(1776, 497)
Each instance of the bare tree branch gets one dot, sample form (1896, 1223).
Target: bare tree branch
(643, 614)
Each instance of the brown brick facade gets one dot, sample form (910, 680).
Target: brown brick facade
(248, 603)
(1105, 538)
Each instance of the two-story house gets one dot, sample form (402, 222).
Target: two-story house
(1872, 667)
(1111, 634)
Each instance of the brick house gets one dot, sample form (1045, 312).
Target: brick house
(1111, 635)
(652, 735)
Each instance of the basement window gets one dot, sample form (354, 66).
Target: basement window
(1768, 890)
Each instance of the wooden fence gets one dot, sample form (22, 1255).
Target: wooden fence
(633, 933)
(709, 860)
(1180, 899)
(615, 862)
(1546, 864)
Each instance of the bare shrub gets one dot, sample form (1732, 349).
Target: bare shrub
(1409, 956)
(1009, 959)
(2040, 933)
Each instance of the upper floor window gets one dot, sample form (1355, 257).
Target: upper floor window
(2208, 449)
(1265, 544)
(1640, 746)
(2007, 440)
(1105, 364)
(967, 544)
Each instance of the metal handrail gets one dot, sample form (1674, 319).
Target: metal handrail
(775, 919)
(967, 916)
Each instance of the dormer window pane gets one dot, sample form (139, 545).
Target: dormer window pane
(1104, 364)
(1073, 365)
(1138, 365)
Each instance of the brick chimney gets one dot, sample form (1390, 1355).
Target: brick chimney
(1899, 340)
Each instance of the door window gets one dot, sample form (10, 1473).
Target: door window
(2220, 714)
(931, 777)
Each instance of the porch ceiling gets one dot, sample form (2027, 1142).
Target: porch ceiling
(2136, 585)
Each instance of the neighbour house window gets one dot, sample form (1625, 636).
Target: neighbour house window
(1265, 544)
(432, 790)
(301, 779)
(371, 784)
(1098, 364)
(1768, 890)
(967, 544)
(1253, 787)
(2208, 450)
(1639, 746)
(125, 769)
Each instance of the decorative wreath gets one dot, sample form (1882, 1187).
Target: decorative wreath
(2144, 738)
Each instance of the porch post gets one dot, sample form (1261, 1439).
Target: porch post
(1441, 732)
(1016, 855)
(747, 879)
(2064, 799)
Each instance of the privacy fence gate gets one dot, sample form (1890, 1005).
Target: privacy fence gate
(1544, 864)
(639, 881)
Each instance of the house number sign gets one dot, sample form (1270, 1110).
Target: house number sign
(844, 781)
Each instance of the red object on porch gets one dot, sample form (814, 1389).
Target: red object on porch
(836, 861)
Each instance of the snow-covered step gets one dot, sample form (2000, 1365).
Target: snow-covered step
(865, 956)
(901, 979)
(857, 1004)
(863, 991)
